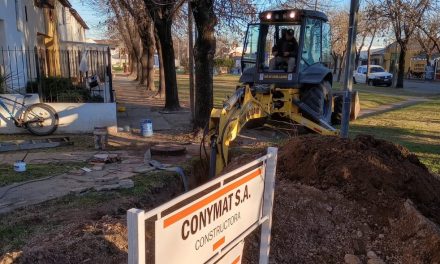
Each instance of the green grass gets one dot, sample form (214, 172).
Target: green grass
(415, 127)
(117, 68)
(35, 171)
(224, 85)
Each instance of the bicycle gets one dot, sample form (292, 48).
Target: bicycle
(40, 119)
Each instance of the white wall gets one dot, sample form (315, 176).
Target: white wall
(69, 28)
(83, 118)
(74, 117)
(14, 35)
(18, 38)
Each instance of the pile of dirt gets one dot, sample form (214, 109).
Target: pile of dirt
(363, 200)
(371, 171)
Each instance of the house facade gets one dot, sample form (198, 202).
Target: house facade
(415, 60)
(32, 33)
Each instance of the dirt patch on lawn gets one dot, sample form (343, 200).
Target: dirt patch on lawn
(84, 229)
(339, 199)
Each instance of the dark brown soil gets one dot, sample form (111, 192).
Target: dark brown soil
(374, 172)
(335, 197)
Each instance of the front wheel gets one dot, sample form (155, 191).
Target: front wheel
(41, 119)
(370, 82)
(319, 99)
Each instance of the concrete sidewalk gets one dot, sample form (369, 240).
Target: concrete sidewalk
(389, 107)
(140, 104)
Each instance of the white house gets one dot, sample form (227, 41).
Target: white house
(71, 27)
(36, 27)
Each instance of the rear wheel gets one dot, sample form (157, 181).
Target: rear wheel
(41, 119)
(337, 110)
(354, 81)
(370, 82)
(319, 99)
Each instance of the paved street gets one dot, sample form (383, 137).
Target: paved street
(423, 87)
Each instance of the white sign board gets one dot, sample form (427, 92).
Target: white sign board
(209, 223)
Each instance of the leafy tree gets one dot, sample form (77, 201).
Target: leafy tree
(405, 17)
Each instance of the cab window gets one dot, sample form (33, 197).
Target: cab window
(311, 52)
(326, 44)
(249, 56)
(280, 50)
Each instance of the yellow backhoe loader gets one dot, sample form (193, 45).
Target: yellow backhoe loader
(285, 75)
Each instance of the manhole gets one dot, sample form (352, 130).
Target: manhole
(167, 150)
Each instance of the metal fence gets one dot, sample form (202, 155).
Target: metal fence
(55, 74)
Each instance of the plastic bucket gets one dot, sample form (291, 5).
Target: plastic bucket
(20, 166)
(146, 128)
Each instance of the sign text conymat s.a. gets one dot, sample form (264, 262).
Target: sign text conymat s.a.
(204, 226)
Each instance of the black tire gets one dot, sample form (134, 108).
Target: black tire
(319, 99)
(41, 111)
(354, 81)
(337, 110)
(370, 82)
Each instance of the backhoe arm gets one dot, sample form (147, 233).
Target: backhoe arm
(225, 124)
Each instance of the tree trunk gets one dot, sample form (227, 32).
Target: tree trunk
(144, 61)
(341, 62)
(204, 50)
(369, 54)
(139, 70)
(401, 73)
(161, 89)
(368, 65)
(145, 29)
(150, 68)
(191, 61)
(132, 63)
(335, 64)
(163, 26)
(428, 59)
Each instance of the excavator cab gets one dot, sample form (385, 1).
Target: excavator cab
(285, 75)
(309, 55)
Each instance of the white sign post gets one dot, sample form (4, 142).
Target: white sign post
(209, 223)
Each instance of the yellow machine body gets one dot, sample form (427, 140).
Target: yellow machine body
(225, 123)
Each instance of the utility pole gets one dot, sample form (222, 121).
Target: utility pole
(349, 67)
(191, 61)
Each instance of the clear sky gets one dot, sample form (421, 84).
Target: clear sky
(92, 17)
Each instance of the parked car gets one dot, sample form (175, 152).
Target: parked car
(376, 76)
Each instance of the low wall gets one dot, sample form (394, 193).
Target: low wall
(74, 117)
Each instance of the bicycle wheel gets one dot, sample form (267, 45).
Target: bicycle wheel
(41, 119)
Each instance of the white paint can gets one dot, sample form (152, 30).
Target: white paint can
(20, 166)
(146, 128)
